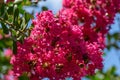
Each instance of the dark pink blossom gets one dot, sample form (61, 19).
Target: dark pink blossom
(68, 44)
(56, 49)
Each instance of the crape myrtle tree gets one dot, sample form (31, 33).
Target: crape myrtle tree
(68, 44)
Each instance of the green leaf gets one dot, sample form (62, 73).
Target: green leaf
(2, 9)
(113, 69)
(44, 8)
(2, 44)
(16, 11)
(18, 1)
(20, 7)
(5, 29)
(10, 10)
(5, 16)
(116, 36)
(16, 14)
(3, 12)
(109, 37)
(22, 23)
(14, 47)
(24, 77)
(25, 20)
(27, 17)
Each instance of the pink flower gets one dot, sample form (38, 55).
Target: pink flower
(10, 76)
(94, 12)
(8, 52)
(7, 35)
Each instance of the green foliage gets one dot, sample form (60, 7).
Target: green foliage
(24, 77)
(112, 40)
(14, 20)
(109, 75)
(14, 47)
(44, 8)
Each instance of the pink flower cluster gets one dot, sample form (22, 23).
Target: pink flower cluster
(68, 44)
(96, 14)
(10, 76)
